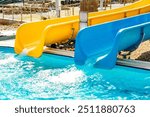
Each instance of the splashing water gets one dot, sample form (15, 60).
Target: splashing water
(54, 77)
(8, 60)
(24, 52)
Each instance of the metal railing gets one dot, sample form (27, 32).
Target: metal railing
(35, 12)
(29, 13)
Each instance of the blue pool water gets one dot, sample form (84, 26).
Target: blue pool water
(53, 77)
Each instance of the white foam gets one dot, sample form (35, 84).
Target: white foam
(8, 60)
(68, 77)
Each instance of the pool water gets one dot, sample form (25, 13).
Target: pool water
(54, 77)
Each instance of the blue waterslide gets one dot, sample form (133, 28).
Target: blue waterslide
(99, 45)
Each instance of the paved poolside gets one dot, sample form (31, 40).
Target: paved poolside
(9, 42)
(7, 37)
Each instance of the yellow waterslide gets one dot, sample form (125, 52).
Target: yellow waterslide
(32, 37)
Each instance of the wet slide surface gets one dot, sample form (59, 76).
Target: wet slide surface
(32, 37)
(99, 45)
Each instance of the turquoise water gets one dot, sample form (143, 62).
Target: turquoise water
(53, 77)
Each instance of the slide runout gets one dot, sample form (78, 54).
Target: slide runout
(31, 32)
(99, 45)
(35, 48)
(29, 35)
